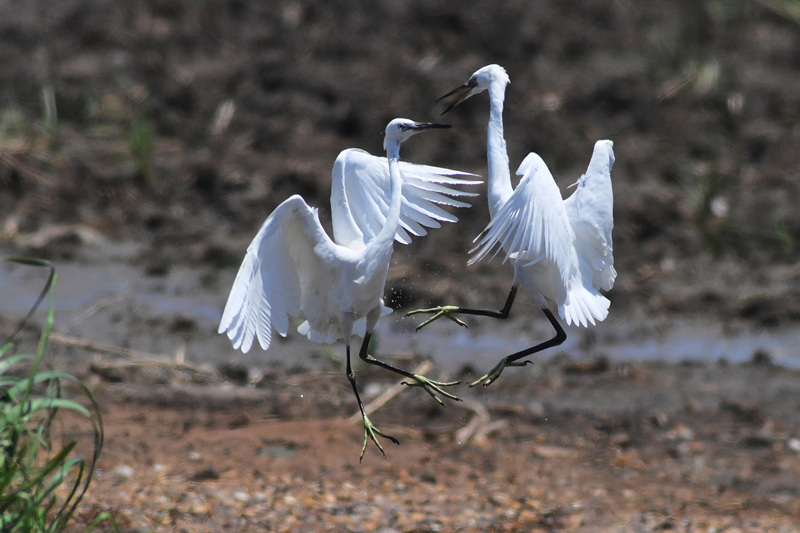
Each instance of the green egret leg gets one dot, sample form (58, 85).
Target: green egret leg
(371, 432)
(430, 386)
(448, 311)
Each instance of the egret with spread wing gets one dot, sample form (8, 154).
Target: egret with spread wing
(292, 266)
(561, 249)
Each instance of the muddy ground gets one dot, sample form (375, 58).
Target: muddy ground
(156, 136)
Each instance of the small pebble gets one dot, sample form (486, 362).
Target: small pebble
(124, 471)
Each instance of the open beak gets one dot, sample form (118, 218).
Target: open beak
(463, 92)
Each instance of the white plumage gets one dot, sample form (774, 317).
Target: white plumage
(281, 267)
(362, 180)
(292, 266)
(562, 250)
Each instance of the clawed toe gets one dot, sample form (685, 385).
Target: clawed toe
(432, 387)
(438, 312)
(489, 378)
(371, 433)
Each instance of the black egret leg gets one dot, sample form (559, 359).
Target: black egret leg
(511, 360)
(370, 431)
(448, 311)
(430, 386)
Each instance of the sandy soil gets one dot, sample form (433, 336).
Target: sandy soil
(563, 446)
(181, 125)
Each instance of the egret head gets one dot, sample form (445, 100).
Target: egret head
(480, 81)
(400, 129)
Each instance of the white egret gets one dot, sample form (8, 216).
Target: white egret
(561, 249)
(292, 266)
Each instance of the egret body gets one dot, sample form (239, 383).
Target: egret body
(561, 250)
(293, 266)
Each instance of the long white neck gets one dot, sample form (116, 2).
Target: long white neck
(385, 237)
(499, 175)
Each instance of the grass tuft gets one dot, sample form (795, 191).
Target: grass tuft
(41, 483)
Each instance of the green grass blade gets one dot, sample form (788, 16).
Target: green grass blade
(31, 470)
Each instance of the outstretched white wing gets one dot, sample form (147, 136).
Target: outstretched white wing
(290, 253)
(361, 192)
(590, 210)
(532, 225)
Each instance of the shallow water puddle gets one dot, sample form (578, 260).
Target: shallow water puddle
(117, 304)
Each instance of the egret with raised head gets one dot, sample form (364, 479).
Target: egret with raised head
(561, 250)
(292, 266)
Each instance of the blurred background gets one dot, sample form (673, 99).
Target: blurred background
(143, 143)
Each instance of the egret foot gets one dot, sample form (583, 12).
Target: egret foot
(438, 312)
(370, 432)
(488, 378)
(430, 386)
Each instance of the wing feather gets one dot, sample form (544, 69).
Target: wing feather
(288, 253)
(590, 211)
(533, 224)
(361, 192)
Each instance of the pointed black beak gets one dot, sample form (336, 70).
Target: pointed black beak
(463, 92)
(430, 126)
